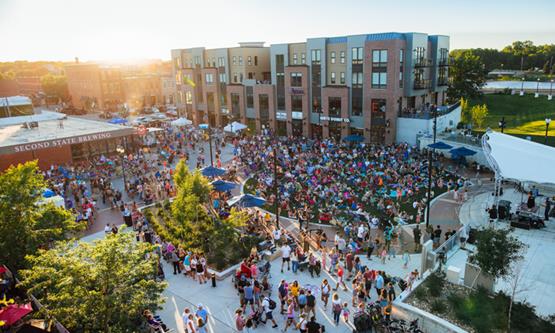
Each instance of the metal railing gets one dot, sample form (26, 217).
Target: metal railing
(422, 84)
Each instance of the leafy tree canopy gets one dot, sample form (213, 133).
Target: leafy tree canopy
(25, 224)
(467, 76)
(496, 251)
(96, 287)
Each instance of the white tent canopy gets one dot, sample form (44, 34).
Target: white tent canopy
(518, 159)
(181, 122)
(234, 127)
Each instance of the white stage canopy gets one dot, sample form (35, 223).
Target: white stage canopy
(234, 127)
(519, 159)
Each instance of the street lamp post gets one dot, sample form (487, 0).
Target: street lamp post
(547, 121)
(430, 167)
(522, 88)
(121, 152)
(537, 89)
(550, 91)
(502, 124)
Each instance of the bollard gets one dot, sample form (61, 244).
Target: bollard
(213, 280)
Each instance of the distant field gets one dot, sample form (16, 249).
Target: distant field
(524, 115)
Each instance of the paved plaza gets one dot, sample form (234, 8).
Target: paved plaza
(538, 267)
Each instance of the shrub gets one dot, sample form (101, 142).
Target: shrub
(421, 293)
(438, 306)
(435, 284)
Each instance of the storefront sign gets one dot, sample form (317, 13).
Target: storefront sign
(339, 120)
(281, 115)
(296, 91)
(57, 143)
(296, 115)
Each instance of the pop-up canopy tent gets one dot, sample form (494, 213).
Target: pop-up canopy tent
(181, 122)
(518, 159)
(235, 127)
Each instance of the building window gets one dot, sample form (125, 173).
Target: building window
(296, 79)
(241, 77)
(240, 61)
(222, 78)
(357, 104)
(357, 80)
(234, 60)
(256, 60)
(419, 56)
(249, 75)
(379, 69)
(379, 80)
(294, 58)
(334, 106)
(209, 78)
(332, 78)
(249, 60)
(250, 98)
(315, 57)
(401, 66)
(297, 103)
(342, 77)
(303, 58)
(357, 55)
(188, 97)
(234, 77)
(221, 62)
(332, 57)
(443, 56)
(342, 57)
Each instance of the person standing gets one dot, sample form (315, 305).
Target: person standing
(239, 320)
(310, 303)
(416, 234)
(336, 308)
(175, 263)
(547, 209)
(285, 256)
(325, 290)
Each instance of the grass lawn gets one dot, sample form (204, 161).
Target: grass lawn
(524, 115)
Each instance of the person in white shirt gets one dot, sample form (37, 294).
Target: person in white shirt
(285, 256)
(107, 229)
(268, 311)
(277, 236)
(361, 232)
(185, 317)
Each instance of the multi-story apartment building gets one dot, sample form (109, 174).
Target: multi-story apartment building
(92, 86)
(324, 87)
(143, 90)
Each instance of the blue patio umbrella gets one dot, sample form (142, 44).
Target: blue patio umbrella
(462, 151)
(118, 121)
(48, 193)
(211, 171)
(247, 200)
(440, 145)
(353, 138)
(223, 186)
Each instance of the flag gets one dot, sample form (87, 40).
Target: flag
(189, 81)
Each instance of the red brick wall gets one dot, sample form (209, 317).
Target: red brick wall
(45, 157)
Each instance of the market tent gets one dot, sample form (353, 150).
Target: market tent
(353, 138)
(223, 186)
(440, 145)
(234, 127)
(48, 193)
(211, 171)
(57, 200)
(519, 159)
(462, 151)
(181, 122)
(247, 200)
(118, 121)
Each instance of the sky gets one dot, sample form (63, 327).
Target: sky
(148, 29)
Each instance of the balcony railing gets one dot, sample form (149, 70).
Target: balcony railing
(422, 84)
(443, 81)
(443, 62)
(422, 62)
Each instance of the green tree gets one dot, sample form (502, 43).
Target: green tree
(55, 86)
(466, 115)
(25, 223)
(496, 250)
(479, 114)
(96, 287)
(467, 76)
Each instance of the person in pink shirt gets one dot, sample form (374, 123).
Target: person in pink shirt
(254, 271)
